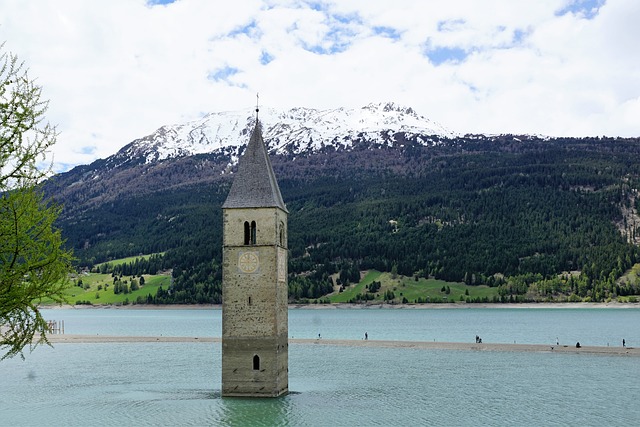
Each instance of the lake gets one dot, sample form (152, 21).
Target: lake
(179, 383)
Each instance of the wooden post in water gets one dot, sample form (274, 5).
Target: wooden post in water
(55, 326)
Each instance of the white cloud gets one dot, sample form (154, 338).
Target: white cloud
(117, 70)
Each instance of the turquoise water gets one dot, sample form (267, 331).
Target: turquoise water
(590, 326)
(179, 383)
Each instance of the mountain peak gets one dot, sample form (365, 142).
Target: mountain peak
(388, 107)
(292, 131)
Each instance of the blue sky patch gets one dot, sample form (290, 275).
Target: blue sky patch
(265, 57)
(159, 2)
(347, 19)
(587, 8)
(250, 29)
(388, 32)
(321, 50)
(222, 74)
(440, 55)
(451, 25)
(337, 40)
(518, 36)
(316, 5)
(61, 167)
(88, 149)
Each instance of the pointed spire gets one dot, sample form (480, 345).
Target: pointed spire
(255, 184)
(257, 106)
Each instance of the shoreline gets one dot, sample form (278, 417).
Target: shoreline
(420, 345)
(339, 306)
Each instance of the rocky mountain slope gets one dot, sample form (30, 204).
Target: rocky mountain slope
(206, 150)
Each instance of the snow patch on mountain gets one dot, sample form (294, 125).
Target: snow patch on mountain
(295, 131)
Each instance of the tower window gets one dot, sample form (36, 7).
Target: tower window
(256, 363)
(247, 233)
(253, 232)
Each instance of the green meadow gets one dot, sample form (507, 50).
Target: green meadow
(106, 289)
(127, 260)
(96, 288)
(399, 289)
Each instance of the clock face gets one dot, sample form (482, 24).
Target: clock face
(248, 262)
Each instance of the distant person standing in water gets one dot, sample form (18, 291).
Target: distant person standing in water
(366, 336)
(624, 343)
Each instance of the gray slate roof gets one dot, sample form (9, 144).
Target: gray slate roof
(255, 185)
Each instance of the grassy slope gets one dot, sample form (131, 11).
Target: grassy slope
(632, 275)
(75, 293)
(409, 288)
(130, 259)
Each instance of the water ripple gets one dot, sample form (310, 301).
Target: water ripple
(168, 384)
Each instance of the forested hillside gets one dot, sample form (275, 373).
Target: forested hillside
(541, 218)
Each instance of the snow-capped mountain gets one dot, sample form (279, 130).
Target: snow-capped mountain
(295, 130)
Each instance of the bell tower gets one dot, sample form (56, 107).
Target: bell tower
(255, 347)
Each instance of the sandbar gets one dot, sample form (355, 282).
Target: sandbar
(425, 345)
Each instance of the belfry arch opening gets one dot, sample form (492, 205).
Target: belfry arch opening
(249, 233)
(253, 232)
(256, 363)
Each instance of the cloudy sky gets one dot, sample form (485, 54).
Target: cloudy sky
(117, 70)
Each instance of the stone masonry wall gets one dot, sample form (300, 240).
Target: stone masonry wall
(254, 314)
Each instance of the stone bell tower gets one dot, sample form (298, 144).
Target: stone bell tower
(255, 348)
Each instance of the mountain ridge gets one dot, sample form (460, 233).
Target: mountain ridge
(294, 131)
